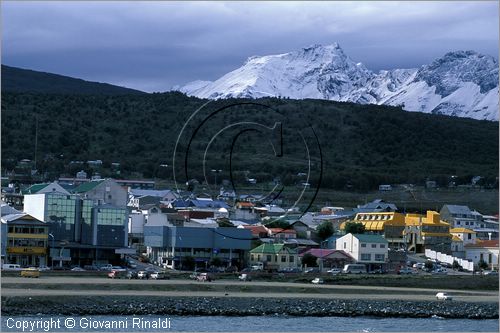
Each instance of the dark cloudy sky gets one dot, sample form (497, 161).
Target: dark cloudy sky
(153, 46)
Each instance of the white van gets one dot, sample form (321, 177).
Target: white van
(354, 268)
(11, 267)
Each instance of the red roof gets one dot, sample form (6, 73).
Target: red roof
(282, 231)
(256, 229)
(245, 204)
(485, 243)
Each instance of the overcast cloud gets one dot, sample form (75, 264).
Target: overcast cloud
(153, 46)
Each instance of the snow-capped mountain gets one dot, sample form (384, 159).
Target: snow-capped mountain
(462, 83)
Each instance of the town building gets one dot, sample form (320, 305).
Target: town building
(427, 232)
(274, 256)
(26, 240)
(371, 250)
(169, 245)
(390, 225)
(329, 258)
(486, 251)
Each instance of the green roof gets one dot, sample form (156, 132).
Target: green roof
(366, 238)
(34, 188)
(269, 248)
(85, 187)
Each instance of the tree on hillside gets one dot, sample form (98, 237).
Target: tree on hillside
(277, 224)
(325, 230)
(309, 260)
(354, 228)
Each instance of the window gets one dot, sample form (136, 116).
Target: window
(374, 246)
(458, 222)
(489, 258)
(345, 245)
(292, 258)
(258, 257)
(379, 257)
(251, 257)
(283, 258)
(382, 246)
(269, 257)
(469, 236)
(366, 256)
(362, 245)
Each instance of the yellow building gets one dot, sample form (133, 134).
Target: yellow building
(388, 224)
(427, 232)
(27, 240)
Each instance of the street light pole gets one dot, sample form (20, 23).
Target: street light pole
(53, 248)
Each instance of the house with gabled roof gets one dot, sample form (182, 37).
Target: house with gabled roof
(371, 250)
(45, 188)
(329, 258)
(103, 191)
(486, 250)
(377, 205)
(274, 256)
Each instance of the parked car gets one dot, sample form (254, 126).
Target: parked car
(317, 281)
(490, 272)
(405, 270)
(376, 271)
(77, 269)
(443, 297)
(31, 272)
(334, 271)
(244, 277)
(205, 277)
(91, 268)
(106, 267)
(159, 276)
(143, 275)
(43, 268)
(439, 271)
(311, 270)
(194, 276)
(419, 265)
(11, 267)
(131, 275)
(117, 274)
(118, 268)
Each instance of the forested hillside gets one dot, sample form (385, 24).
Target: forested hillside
(362, 145)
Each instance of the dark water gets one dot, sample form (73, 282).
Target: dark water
(242, 324)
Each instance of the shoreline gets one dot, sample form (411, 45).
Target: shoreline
(247, 306)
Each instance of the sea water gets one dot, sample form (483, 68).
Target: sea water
(241, 324)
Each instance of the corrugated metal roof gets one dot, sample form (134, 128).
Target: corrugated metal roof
(85, 187)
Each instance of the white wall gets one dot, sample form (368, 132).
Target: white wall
(34, 204)
(136, 223)
(474, 254)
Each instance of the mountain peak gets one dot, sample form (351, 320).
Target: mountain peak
(460, 83)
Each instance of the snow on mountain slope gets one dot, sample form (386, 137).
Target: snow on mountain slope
(462, 83)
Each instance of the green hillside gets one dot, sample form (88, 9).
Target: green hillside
(362, 145)
(28, 81)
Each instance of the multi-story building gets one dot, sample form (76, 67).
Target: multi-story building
(371, 250)
(390, 225)
(169, 245)
(84, 229)
(26, 241)
(274, 256)
(427, 232)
